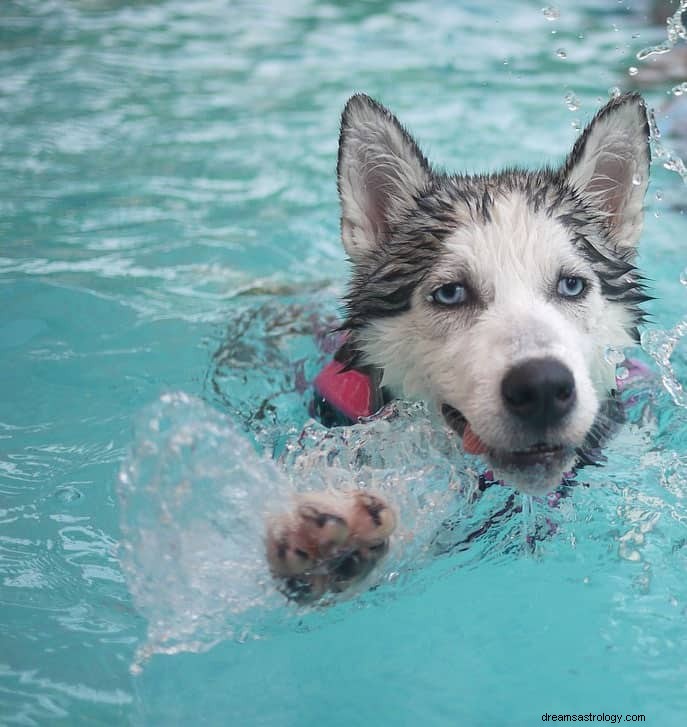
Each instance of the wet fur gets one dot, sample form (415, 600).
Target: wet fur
(507, 237)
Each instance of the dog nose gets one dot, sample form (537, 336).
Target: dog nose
(540, 392)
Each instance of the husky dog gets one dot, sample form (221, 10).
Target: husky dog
(492, 297)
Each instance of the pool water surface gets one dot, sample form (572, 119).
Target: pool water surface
(169, 266)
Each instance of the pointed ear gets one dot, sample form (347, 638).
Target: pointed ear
(380, 172)
(609, 167)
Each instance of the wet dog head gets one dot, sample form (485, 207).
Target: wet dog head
(497, 297)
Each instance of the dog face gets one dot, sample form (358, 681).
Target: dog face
(496, 297)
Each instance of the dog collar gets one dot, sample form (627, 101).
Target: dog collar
(348, 391)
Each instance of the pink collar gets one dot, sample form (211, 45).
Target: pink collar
(348, 391)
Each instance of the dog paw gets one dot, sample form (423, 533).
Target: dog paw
(328, 543)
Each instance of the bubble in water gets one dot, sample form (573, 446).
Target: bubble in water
(683, 276)
(633, 70)
(551, 13)
(636, 179)
(575, 123)
(571, 101)
(614, 92)
(659, 194)
(562, 53)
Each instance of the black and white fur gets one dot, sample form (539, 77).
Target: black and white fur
(492, 297)
(508, 239)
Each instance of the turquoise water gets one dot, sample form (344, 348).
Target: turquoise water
(169, 223)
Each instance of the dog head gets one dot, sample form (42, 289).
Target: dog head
(496, 297)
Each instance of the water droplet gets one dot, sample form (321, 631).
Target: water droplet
(575, 123)
(562, 53)
(614, 92)
(621, 373)
(636, 179)
(654, 50)
(614, 356)
(657, 214)
(683, 277)
(571, 101)
(551, 13)
(659, 194)
(633, 70)
(67, 494)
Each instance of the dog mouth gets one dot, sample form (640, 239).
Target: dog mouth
(545, 455)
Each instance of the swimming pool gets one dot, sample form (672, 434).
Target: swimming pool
(170, 224)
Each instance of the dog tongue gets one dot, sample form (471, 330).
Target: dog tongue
(472, 444)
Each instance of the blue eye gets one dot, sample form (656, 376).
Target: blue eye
(571, 286)
(449, 294)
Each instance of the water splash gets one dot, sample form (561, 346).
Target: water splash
(660, 345)
(191, 518)
(571, 101)
(670, 160)
(675, 31)
(195, 494)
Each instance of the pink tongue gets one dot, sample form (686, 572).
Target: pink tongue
(472, 444)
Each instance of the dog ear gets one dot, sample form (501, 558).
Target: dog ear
(380, 172)
(609, 166)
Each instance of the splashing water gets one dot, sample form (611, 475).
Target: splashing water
(571, 101)
(670, 160)
(675, 31)
(660, 345)
(195, 495)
